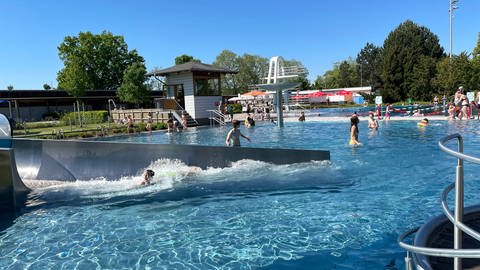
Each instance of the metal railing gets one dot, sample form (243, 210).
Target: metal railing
(215, 116)
(455, 217)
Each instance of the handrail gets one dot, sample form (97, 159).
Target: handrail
(217, 116)
(450, 216)
(455, 217)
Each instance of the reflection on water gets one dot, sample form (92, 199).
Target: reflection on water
(343, 214)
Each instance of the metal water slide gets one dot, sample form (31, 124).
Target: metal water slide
(85, 160)
(32, 159)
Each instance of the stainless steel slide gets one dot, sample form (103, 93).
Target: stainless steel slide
(72, 160)
(83, 160)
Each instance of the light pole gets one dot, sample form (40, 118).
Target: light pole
(452, 7)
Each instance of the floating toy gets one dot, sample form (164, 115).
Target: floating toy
(423, 123)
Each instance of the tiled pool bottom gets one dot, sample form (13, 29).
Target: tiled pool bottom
(343, 214)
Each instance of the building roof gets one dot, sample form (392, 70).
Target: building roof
(190, 66)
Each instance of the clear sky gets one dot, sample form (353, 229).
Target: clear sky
(318, 33)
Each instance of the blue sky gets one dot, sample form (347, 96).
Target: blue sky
(317, 33)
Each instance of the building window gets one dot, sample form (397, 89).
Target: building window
(207, 86)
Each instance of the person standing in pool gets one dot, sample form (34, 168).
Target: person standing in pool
(302, 117)
(234, 135)
(149, 122)
(372, 122)
(354, 130)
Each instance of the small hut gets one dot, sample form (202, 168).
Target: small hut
(193, 87)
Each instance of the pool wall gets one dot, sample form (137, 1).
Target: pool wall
(84, 160)
(10, 181)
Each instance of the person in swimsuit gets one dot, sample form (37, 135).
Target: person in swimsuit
(372, 122)
(184, 122)
(129, 124)
(149, 122)
(354, 130)
(302, 117)
(147, 177)
(234, 135)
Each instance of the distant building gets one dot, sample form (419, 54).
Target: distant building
(353, 90)
(33, 105)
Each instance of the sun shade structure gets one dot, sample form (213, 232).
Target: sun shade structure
(344, 93)
(254, 93)
(192, 67)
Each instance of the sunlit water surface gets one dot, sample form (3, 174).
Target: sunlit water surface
(342, 214)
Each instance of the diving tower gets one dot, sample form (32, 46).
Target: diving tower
(278, 71)
(279, 79)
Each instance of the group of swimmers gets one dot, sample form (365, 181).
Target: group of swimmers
(173, 125)
(372, 124)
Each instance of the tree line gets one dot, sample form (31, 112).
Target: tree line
(410, 64)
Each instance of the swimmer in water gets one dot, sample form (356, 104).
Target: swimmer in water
(354, 130)
(147, 177)
(423, 123)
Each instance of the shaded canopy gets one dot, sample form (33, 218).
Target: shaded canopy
(254, 93)
(190, 66)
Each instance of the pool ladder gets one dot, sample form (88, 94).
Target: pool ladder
(455, 217)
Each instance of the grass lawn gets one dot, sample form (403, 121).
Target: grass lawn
(57, 130)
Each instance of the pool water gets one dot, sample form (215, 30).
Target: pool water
(342, 214)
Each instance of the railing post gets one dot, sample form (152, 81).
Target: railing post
(459, 194)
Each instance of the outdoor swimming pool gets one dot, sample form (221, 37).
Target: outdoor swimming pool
(343, 214)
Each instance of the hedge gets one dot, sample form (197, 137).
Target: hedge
(88, 117)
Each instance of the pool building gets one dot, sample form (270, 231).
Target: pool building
(194, 87)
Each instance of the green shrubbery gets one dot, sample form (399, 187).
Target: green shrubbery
(88, 117)
(237, 108)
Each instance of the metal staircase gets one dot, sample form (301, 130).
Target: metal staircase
(420, 251)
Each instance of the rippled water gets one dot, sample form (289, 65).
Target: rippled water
(343, 214)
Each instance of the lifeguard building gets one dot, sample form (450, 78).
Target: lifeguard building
(192, 87)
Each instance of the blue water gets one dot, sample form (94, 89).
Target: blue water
(342, 214)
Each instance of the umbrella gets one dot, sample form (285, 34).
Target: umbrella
(299, 97)
(344, 93)
(317, 94)
(254, 93)
(240, 98)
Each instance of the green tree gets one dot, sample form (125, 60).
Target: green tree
(252, 69)
(343, 74)
(455, 72)
(303, 73)
(476, 50)
(101, 60)
(10, 87)
(319, 83)
(230, 61)
(369, 61)
(421, 87)
(184, 58)
(402, 50)
(74, 79)
(476, 66)
(332, 77)
(134, 89)
(348, 76)
(46, 86)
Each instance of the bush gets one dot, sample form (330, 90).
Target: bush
(52, 116)
(88, 117)
(32, 125)
(237, 108)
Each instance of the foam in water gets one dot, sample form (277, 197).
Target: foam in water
(247, 175)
